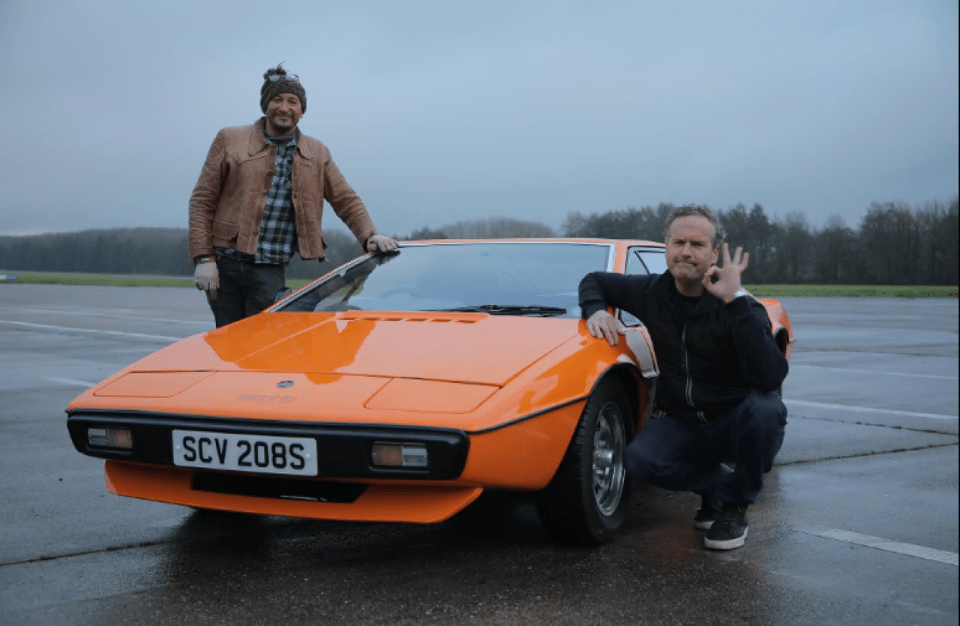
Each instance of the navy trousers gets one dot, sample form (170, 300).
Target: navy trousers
(681, 456)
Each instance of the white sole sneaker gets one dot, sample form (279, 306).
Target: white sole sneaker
(728, 544)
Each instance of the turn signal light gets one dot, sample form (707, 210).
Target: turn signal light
(119, 438)
(400, 455)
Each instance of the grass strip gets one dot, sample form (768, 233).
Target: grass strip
(762, 291)
(115, 280)
(854, 291)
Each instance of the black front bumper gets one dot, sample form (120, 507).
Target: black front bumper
(343, 450)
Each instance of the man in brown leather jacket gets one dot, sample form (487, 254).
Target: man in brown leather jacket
(260, 198)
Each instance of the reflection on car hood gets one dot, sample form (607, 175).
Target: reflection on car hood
(462, 347)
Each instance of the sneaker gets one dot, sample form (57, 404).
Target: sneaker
(707, 514)
(729, 530)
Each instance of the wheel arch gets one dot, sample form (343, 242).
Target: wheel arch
(639, 391)
(784, 342)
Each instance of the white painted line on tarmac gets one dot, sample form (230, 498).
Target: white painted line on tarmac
(867, 409)
(71, 381)
(930, 554)
(111, 333)
(99, 313)
(843, 369)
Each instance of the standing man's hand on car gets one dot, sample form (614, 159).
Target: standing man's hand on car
(380, 243)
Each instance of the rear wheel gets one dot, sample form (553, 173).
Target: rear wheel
(587, 500)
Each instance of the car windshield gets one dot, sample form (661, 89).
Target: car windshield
(500, 278)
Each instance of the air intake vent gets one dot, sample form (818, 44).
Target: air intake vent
(283, 488)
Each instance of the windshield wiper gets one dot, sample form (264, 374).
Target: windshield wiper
(510, 309)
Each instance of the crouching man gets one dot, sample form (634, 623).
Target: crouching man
(717, 398)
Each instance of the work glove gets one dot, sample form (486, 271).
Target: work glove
(207, 278)
(379, 243)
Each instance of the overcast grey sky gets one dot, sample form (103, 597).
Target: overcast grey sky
(445, 111)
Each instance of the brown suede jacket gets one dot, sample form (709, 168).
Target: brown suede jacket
(227, 204)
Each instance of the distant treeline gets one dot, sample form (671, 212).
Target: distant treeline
(894, 244)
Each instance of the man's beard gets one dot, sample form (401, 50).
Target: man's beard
(283, 128)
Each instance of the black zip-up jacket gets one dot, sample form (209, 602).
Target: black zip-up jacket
(710, 363)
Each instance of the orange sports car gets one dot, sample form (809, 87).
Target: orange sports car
(397, 388)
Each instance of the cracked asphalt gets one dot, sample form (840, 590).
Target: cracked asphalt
(857, 523)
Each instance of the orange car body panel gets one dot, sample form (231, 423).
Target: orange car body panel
(515, 385)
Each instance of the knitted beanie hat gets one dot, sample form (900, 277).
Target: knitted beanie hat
(276, 81)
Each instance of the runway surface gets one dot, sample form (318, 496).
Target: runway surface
(857, 523)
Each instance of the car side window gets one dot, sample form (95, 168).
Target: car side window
(646, 261)
(642, 261)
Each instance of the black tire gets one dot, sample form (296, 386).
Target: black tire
(588, 499)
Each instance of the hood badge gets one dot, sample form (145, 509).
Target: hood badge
(285, 383)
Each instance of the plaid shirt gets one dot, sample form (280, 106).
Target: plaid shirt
(278, 230)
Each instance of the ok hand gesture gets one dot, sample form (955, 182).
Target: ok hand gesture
(728, 276)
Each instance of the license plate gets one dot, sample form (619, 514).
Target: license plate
(259, 454)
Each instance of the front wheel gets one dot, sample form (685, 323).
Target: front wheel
(587, 500)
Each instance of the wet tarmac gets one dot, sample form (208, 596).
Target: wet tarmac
(857, 524)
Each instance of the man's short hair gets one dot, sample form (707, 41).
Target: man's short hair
(687, 210)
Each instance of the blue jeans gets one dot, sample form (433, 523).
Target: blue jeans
(681, 456)
(246, 288)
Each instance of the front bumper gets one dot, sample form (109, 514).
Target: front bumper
(376, 502)
(344, 451)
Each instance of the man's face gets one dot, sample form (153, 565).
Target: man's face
(690, 249)
(283, 113)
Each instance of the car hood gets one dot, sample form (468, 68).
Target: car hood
(443, 370)
(455, 347)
